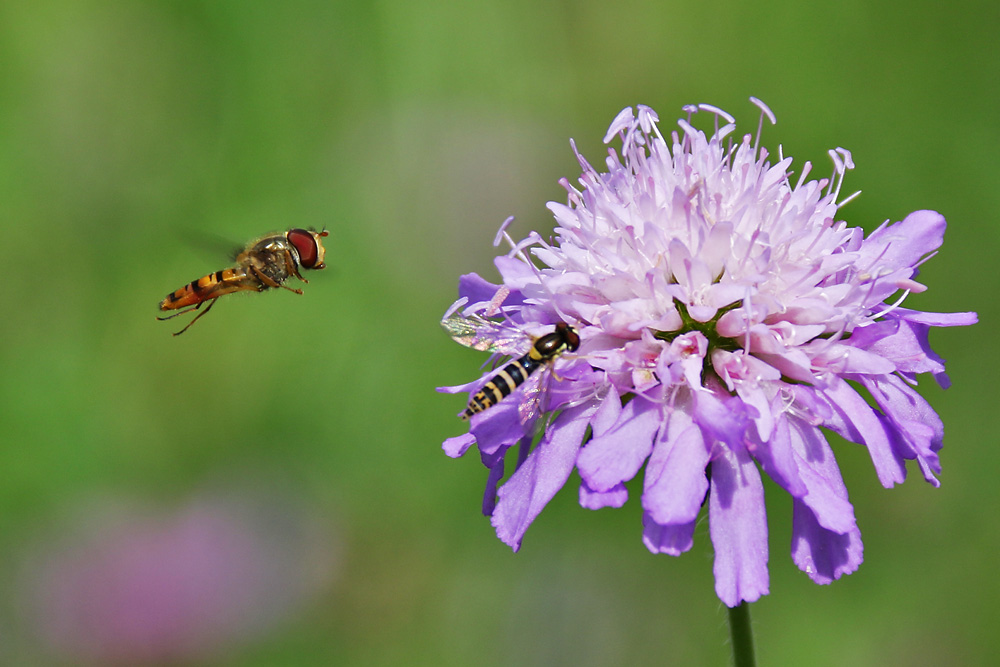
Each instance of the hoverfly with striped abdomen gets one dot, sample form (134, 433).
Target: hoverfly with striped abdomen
(264, 263)
(532, 354)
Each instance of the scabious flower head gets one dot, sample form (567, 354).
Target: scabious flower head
(726, 318)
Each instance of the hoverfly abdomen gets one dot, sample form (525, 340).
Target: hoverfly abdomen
(214, 285)
(507, 379)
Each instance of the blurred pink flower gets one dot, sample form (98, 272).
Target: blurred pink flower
(130, 587)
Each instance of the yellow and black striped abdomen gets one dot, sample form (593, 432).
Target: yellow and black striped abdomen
(507, 379)
(210, 286)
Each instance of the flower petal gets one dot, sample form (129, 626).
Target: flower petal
(595, 500)
(544, 472)
(738, 525)
(777, 458)
(823, 554)
(457, 446)
(496, 468)
(616, 456)
(937, 319)
(918, 431)
(903, 244)
(673, 539)
(498, 427)
(855, 420)
(826, 495)
(675, 483)
(477, 289)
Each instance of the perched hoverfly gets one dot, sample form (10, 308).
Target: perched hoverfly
(532, 354)
(263, 264)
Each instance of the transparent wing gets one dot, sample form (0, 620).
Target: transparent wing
(532, 392)
(487, 336)
(209, 243)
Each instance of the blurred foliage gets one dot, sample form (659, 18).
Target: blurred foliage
(132, 132)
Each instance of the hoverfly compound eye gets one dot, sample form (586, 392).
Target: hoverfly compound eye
(569, 336)
(308, 246)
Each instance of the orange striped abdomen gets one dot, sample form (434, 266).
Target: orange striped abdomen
(211, 286)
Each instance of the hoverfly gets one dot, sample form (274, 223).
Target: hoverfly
(532, 354)
(263, 264)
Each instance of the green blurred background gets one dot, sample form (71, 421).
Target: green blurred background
(131, 131)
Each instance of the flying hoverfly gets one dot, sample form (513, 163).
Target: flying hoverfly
(265, 263)
(532, 354)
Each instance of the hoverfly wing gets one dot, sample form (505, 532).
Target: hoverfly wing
(532, 394)
(487, 335)
(210, 244)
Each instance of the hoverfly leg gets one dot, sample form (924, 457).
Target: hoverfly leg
(292, 269)
(196, 317)
(179, 312)
(267, 280)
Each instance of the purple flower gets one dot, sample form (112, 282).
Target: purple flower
(726, 317)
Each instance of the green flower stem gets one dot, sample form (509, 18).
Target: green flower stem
(741, 635)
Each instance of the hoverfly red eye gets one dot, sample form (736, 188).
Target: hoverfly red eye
(306, 245)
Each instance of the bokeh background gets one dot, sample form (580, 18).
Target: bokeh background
(269, 488)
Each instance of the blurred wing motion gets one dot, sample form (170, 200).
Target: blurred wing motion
(537, 353)
(265, 263)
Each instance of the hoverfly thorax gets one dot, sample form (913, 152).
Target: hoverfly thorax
(549, 346)
(310, 248)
